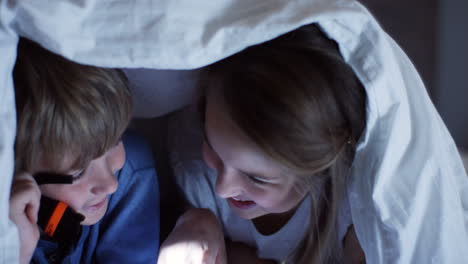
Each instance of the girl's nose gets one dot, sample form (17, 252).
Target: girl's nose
(228, 184)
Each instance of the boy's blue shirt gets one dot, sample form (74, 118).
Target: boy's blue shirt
(129, 231)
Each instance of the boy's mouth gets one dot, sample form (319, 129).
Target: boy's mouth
(96, 206)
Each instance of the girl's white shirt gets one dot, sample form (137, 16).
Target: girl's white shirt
(409, 191)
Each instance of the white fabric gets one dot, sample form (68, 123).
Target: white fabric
(9, 251)
(464, 157)
(409, 195)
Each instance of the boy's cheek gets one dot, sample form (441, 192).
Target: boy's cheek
(117, 157)
(62, 193)
(94, 217)
(46, 191)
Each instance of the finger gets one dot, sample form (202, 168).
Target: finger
(209, 255)
(27, 195)
(25, 201)
(23, 176)
(32, 212)
(34, 204)
(221, 257)
(35, 235)
(208, 259)
(24, 182)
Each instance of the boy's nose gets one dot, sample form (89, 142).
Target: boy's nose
(112, 161)
(228, 184)
(106, 183)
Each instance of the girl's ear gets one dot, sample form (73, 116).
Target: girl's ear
(352, 250)
(201, 107)
(210, 157)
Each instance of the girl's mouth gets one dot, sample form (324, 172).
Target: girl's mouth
(241, 204)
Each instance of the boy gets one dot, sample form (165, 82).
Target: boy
(71, 119)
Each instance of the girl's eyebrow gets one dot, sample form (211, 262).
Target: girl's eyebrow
(260, 176)
(255, 175)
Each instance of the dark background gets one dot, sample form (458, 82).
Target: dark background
(434, 34)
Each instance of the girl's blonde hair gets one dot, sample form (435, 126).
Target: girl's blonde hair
(298, 100)
(65, 109)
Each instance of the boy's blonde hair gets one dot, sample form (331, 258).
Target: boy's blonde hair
(65, 110)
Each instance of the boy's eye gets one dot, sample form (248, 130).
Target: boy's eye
(77, 175)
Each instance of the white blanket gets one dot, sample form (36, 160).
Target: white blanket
(409, 192)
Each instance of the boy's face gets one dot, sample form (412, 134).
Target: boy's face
(89, 193)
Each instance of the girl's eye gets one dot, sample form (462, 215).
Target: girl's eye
(256, 179)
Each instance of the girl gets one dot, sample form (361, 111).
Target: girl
(281, 123)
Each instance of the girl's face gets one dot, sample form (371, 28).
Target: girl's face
(89, 193)
(253, 184)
